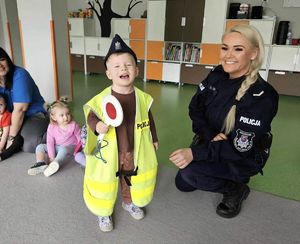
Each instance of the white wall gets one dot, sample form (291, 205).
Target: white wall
(13, 19)
(38, 45)
(4, 41)
(275, 7)
(118, 6)
(59, 16)
(37, 42)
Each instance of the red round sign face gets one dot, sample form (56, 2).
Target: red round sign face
(111, 110)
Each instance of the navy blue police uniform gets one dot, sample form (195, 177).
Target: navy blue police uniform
(218, 165)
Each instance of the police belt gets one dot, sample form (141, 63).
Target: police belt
(126, 174)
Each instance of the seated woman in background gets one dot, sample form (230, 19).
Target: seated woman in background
(29, 118)
(231, 115)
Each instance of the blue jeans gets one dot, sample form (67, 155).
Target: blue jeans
(62, 152)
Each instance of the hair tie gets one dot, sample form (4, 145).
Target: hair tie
(235, 102)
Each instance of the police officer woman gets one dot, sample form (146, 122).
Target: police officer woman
(231, 115)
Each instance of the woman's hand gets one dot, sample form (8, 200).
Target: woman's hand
(101, 128)
(220, 137)
(181, 157)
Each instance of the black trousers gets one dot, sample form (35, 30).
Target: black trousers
(222, 177)
(34, 131)
(215, 176)
(15, 147)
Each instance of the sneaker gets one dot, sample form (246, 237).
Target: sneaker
(105, 223)
(136, 212)
(37, 168)
(51, 169)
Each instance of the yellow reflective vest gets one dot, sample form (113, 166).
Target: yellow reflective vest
(100, 184)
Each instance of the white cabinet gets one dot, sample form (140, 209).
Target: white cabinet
(285, 58)
(76, 27)
(297, 61)
(265, 27)
(214, 20)
(156, 20)
(81, 27)
(171, 72)
(104, 43)
(77, 45)
(121, 27)
(284, 72)
(92, 46)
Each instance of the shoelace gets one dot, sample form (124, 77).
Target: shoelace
(104, 220)
(134, 208)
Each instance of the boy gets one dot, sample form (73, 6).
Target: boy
(128, 151)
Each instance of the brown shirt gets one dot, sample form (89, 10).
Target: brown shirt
(125, 132)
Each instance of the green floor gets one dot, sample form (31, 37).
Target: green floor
(282, 172)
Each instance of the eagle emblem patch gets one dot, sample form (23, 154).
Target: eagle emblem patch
(243, 140)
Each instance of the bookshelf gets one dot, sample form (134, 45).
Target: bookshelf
(177, 38)
(191, 53)
(173, 51)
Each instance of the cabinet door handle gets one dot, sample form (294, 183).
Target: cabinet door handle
(98, 46)
(92, 57)
(183, 21)
(279, 72)
(189, 65)
(208, 67)
(296, 58)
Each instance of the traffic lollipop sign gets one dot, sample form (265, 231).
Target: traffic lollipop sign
(113, 113)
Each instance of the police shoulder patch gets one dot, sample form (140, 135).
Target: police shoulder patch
(201, 86)
(243, 140)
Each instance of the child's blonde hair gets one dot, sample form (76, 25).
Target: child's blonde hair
(56, 104)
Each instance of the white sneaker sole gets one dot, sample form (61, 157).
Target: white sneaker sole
(135, 216)
(106, 228)
(38, 170)
(51, 169)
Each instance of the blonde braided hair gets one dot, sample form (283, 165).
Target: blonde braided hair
(254, 37)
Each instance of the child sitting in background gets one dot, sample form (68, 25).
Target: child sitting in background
(63, 134)
(5, 122)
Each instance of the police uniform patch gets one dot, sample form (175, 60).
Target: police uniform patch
(243, 140)
(201, 87)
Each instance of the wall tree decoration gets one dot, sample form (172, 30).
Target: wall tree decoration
(105, 14)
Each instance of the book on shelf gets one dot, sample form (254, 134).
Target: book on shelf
(191, 53)
(173, 52)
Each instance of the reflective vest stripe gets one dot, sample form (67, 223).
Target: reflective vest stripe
(143, 193)
(97, 206)
(147, 176)
(108, 188)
